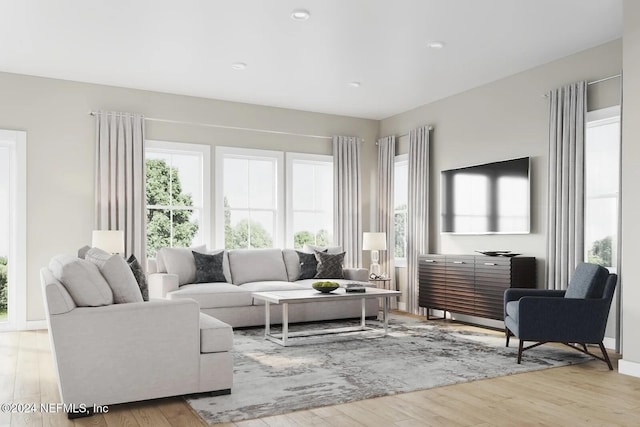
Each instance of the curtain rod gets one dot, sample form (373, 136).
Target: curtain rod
(211, 125)
(604, 79)
(407, 133)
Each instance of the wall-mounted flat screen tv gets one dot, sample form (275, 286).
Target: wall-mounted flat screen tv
(493, 198)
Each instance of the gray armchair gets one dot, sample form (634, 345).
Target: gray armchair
(575, 317)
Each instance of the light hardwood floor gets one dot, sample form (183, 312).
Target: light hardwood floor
(567, 396)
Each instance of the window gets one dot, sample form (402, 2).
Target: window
(249, 198)
(177, 181)
(13, 235)
(309, 200)
(400, 205)
(602, 184)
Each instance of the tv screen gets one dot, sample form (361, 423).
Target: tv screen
(486, 199)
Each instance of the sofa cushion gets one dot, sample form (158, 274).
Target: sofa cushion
(179, 261)
(252, 265)
(512, 309)
(209, 267)
(215, 335)
(83, 281)
(587, 281)
(292, 264)
(141, 278)
(118, 274)
(213, 295)
(328, 249)
(329, 265)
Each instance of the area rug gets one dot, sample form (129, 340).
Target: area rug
(319, 371)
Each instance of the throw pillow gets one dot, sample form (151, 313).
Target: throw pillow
(209, 267)
(329, 265)
(308, 265)
(82, 280)
(82, 252)
(141, 278)
(116, 271)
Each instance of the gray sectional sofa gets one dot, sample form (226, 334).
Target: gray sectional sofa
(109, 346)
(172, 273)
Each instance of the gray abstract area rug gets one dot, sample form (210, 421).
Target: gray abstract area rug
(332, 369)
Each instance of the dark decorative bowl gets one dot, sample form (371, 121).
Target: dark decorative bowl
(325, 287)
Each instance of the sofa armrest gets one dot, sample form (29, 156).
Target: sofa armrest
(162, 283)
(357, 274)
(94, 346)
(152, 265)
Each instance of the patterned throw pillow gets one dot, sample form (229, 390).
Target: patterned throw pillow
(330, 266)
(141, 278)
(209, 267)
(308, 265)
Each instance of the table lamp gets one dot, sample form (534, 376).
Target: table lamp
(111, 241)
(374, 242)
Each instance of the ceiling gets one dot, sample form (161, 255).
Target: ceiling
(188, 46)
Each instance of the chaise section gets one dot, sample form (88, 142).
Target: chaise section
(215, 336)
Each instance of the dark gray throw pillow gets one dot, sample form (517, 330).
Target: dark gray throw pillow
(141, 278)
(329, 265)
(209, 267)
(308, 265)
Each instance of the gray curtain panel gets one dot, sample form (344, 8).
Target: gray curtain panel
(120, 178)
(384, 215)
(567, 111)
(417, 211)
(347, 204)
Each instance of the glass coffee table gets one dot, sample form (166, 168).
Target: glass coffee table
(284, 298)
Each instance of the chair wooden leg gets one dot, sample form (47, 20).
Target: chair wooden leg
(507, 333)
(606, 356)
(584, 346)
(520, 351)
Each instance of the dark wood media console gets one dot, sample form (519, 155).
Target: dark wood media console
(470, 284)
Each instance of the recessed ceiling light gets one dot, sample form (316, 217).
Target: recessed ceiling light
(300, 15)
(354, 84)
(238, 66)
(436, 45)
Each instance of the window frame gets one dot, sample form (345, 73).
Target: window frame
(604, 116)
(290, 159)
(171, 147)
(221, 153)
(400, 159)
(17, 267)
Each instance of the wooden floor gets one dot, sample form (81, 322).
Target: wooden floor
(567, 396)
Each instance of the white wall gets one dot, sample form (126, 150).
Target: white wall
(498, 121)
(630, 276)
(60, 152)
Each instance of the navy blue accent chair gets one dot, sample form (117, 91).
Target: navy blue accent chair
(575, 317)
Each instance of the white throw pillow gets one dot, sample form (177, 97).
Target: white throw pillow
(118, 274)
(180, 261)
(82, 279)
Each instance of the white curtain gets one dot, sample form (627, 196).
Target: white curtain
(384, 216)
(568, 106)
(120, 178)
(347, 220)
(417, 211)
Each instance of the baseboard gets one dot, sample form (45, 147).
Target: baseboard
(629, 368)
(609, 343)
(34, 325)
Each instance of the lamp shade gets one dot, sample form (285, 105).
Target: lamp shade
(111, 241)
(374, 241)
